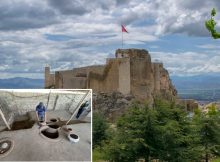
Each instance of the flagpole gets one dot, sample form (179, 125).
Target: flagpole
(121, 39)
(122, 31)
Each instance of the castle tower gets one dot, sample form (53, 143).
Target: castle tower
(135, 72)
(47, 76)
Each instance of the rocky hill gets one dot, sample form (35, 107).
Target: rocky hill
(112, 105)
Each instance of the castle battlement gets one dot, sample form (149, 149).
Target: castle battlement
(131, 53)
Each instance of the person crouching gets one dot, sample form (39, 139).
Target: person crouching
(41, 112)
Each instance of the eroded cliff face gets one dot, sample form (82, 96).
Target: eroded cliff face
(167, 89)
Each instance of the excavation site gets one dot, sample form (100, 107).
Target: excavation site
(45, 125)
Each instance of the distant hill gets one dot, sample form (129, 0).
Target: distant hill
(200, 87)
(197, 82)
(21, 83)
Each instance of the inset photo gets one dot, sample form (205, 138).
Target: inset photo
(45, 124)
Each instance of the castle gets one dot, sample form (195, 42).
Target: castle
(130, 72)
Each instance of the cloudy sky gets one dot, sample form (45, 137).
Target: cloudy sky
(73, 33)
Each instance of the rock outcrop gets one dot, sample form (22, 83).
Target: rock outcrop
(112, 105)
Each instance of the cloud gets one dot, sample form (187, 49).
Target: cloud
(73, 33)
(208, 46)
(81, 7)
(69, 7)
(122, 2)
(182, 17)
(21, 15)
(191, 63)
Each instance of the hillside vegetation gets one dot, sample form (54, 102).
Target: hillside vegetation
(164, 132)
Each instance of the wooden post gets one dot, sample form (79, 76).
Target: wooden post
(3, 117)
(79, 105)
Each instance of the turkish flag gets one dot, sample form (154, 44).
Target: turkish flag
(123, 29)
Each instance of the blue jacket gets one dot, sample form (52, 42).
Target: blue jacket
(41, 110)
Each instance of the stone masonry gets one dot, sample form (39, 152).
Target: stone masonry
(131, 72)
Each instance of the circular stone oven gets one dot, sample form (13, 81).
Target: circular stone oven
(6, 146)
(53, 120)
(49, 133)
(54, 126)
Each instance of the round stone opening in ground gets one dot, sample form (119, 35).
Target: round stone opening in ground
(49, 133)
(53, 120)
(54, 126)
(6, 146)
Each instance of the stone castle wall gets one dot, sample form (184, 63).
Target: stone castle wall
(76, 78)
(106, 81)
(131, 72)
(49, 78)
(63, 79)
(142, 82)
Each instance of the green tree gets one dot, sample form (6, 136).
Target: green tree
(163, 132)
(100, 126)
(209, 132)
(176, 136)
(128, 143)
(210, 25)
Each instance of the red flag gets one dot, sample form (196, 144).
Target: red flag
(123, 29)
